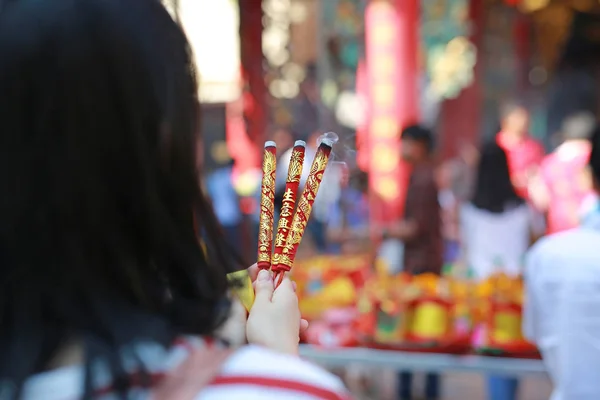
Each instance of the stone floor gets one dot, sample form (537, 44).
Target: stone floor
(456, 386)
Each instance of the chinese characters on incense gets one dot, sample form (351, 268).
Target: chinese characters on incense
(290, 229)
(292, 184)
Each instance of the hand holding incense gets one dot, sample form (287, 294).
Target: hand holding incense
(289, 200)
(300, 220)
(267, 206)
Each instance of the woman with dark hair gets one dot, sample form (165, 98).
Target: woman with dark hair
(105, 291)
(496, 226)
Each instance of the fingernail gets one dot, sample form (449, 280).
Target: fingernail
(264, 275)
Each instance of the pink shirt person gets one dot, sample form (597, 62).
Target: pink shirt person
(524, 152)
(562, 173)
(524, 157)
(562, 184)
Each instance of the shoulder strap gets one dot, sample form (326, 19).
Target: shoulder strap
(193, 375)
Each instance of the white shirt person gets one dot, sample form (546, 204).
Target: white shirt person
(561, 314)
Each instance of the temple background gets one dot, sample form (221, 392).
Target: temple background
(365, 68)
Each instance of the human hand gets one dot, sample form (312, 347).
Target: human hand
(234, 328)
(274, 320)
(253, 271)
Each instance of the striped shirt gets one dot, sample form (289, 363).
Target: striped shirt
(250, 373)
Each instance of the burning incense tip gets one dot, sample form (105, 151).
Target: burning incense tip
(328, 142)
(270, 143)
(300, 143)
(329, 138)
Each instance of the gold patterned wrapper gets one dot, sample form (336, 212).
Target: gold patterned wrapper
(242, 287)
(267, 207)
(289, 200)
(311, 188)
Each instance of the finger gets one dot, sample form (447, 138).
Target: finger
(253, 272)
(285, 292)
(286, 285)
(303, 325)
(263, 286)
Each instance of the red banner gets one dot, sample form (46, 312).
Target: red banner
(362, 91)
(391, 50)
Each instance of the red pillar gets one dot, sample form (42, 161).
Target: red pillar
(246, 118)
(392, 76)
(460, 118)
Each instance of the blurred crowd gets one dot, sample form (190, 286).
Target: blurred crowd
(546, 190)
(480, 212)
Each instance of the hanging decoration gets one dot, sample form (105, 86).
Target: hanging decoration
(449, 55)
(451, 67)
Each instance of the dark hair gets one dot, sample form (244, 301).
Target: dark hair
(100, 188)
(360, 181)
(494, 191)
(579, 126)
(419, 134)
(595, 154)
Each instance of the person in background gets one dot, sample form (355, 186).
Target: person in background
(465, 172)
(496, 227)
(348, 224)
(105, 289)
(421, 228)
(524, 152)
(562, 298)
(219, 185)
(449, 203)
(562, 183)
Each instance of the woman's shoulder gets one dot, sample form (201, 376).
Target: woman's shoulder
(254, 372)
(514, 208)
(249, 373)
(468, 211)
(256, 360)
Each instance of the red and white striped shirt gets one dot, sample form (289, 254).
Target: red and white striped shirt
(250, 373)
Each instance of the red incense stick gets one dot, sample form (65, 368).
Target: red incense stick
(289, 201)
(267, 206)
(300, 220)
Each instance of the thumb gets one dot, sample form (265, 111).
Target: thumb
(264, 287)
